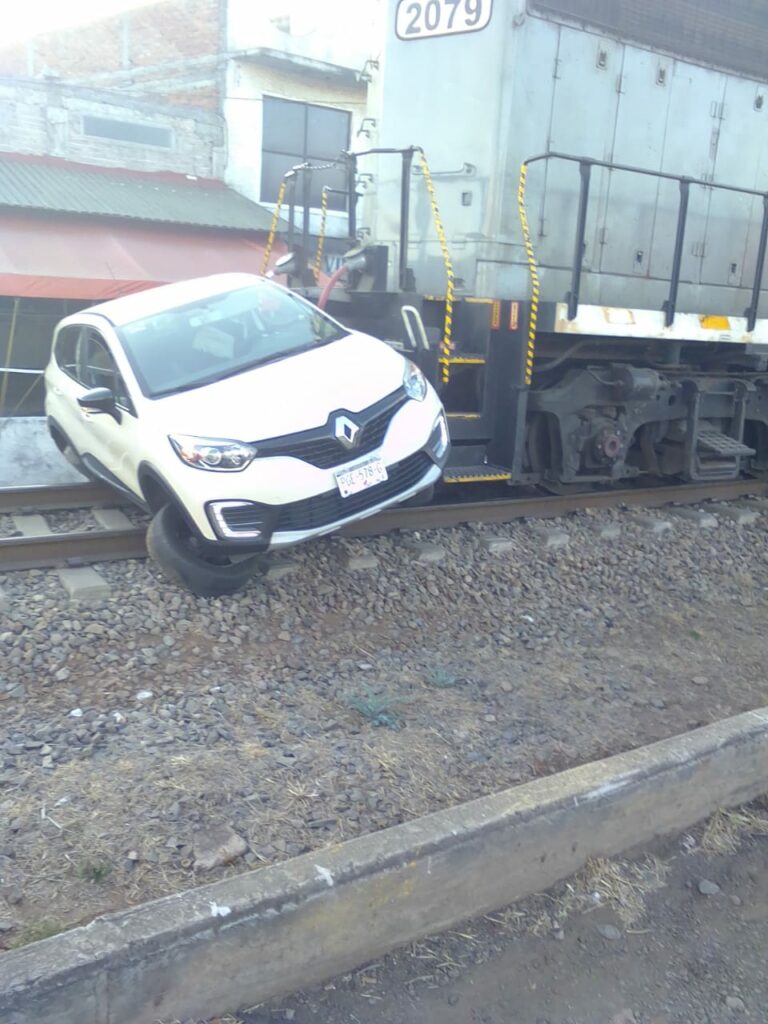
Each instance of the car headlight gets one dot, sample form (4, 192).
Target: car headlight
(212, 453)
(414, 382)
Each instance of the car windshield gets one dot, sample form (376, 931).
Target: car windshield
(220, 336)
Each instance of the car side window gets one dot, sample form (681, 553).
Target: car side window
(98, 370)
(65, 350)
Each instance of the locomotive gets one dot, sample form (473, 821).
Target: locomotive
(561, 213)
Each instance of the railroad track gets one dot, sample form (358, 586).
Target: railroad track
(56, 550)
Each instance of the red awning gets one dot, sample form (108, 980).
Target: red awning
(54, 257)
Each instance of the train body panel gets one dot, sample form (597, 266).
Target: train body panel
(578, 267)
(482, 102)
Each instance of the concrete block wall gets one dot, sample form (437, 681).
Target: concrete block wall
(46, 119)
(169, 49)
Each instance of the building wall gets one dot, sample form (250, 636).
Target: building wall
(342, 33)
(248, 82)
(47, 119)
(170, 51)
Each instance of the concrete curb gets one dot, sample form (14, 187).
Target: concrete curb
(265, 933)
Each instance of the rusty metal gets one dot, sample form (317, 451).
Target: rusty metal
(59, 550)
(548, 506)
(69, 549)
(49, 499)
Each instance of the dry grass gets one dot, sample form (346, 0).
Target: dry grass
(726, 830)
(620, 885)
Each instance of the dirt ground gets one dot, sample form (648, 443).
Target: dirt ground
(330, 703)
(663, 952)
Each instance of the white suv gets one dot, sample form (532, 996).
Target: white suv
(242, 417)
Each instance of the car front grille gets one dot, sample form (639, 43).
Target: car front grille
(243, 518)
(320, 448)
(323, 509)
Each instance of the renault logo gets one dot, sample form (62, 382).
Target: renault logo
(346, 430)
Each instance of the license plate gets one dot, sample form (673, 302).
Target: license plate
(361, 477)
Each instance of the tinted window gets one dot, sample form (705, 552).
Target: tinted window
(220, 336)
(99, 370)
(127, 131)
(327, 132)
(66, 349)
(97, 367)
(296, 133)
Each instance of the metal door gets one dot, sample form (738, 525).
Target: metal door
(696, 95)
(729, 259)
(583, 123)
(630, 209)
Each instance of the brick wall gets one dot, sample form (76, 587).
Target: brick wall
(47, 119)
(167, 51)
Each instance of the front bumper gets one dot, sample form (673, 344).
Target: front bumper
(282, 501)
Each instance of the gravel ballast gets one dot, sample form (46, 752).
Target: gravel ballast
(327, 702)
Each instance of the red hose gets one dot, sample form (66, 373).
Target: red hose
(331, 283)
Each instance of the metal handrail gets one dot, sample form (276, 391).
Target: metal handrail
(684, 181)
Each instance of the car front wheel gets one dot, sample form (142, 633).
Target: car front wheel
(173, 545)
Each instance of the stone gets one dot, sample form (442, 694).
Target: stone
(739, 515)
(279, 570)
(112, 519)
(735, 1004)
(701, 519)
(12, 894)
(606, 531)
(498, 545)
(700, 680)
(707, 888)
(84, 584)
(735, 900)
(4, 602)
(216, 847)
(625, 1016)
(7, 924)
(425, 552)
(550, 538)
(609, 931)
(650, 523)
(360, 563)
(95, 629)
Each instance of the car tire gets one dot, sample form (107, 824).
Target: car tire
(170, 544)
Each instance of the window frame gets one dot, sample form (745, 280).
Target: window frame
(88, 334)
(123, 400)
(335, 203)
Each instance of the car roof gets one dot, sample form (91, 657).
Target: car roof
(167, 296)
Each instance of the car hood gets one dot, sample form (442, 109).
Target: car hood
(292, 394)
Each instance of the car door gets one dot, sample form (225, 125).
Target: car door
(111, 441)
(64, 387)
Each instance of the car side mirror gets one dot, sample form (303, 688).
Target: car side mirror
(99, 400)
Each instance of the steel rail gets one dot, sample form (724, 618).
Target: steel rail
(69, 549)
(48, 499)
(56, 550)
